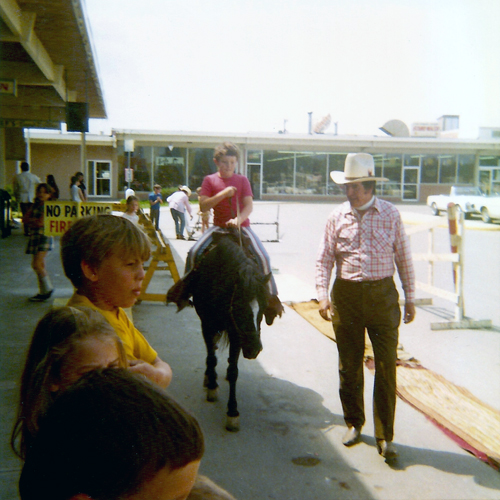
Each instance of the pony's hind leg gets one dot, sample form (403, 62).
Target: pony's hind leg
(210, 380)
(233, 416)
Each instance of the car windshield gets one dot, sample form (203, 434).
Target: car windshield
(471, 191)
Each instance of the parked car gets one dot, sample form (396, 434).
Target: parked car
(469, 200)
(490, 208)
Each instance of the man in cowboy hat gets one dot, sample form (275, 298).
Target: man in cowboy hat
(364, 238)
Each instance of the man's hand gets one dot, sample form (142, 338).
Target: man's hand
(409, 314)
(325, 309)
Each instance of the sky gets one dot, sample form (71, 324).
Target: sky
(263, 65)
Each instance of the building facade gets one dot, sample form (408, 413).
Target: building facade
(279, 166)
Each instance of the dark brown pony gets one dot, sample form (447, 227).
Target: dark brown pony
(230, 296)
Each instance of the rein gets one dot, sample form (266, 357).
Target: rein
(237, 217)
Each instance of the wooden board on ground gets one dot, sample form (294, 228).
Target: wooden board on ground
(309, 311)
(454, 408)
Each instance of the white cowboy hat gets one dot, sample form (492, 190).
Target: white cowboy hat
(358, 167)
(187, 190)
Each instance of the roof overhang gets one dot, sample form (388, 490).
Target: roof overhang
(319, 143)
(46, 60)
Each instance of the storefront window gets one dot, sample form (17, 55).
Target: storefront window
(466, 169)
(447, 169)
(429, 169)
(335, 163)
(278, 172)
(169, 167)
(489, 161)
(392, 171)
(99, 179)
(201, 164)
(379, 165)
(140, 163)
(310, 173)
(412, 160)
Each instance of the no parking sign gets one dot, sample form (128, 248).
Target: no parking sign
(59, 215)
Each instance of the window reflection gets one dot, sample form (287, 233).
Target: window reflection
(278, 172)
(466, 169)
(447, 169)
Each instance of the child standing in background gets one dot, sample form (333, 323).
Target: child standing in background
(155, 201)
(39, 244)
(131, 210)
(205, 216)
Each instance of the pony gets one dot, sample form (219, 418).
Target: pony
(230, 295)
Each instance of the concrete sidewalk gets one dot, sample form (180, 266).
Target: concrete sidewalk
(288, 398)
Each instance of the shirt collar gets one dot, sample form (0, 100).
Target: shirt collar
(347, 209)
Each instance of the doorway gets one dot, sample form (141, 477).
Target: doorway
(409, 185)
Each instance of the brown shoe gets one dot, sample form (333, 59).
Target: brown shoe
(274, 308)
(352, 436)
(386, 449)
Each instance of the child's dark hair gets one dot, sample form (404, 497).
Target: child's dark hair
(92, 239)
(56, 336)
(106, 436)
(132, 198)
(42, 185)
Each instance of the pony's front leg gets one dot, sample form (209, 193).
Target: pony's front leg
(233, 417)
(210, 380)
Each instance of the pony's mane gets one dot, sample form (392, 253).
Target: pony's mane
(249, 274)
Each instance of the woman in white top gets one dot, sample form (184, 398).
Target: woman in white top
(76, 192)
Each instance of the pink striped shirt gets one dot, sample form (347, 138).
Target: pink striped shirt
(365, 249)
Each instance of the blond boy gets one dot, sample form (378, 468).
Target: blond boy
(103, 256)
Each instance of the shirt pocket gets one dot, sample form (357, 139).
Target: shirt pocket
(382, 241)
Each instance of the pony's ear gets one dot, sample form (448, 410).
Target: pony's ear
(266, 278)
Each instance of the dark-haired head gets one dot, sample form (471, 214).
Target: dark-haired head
(106, 437)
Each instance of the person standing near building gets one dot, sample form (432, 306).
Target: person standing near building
(51, 181)
(364, 238)
(24, 190)
(131, 210)
(155, 201)
(76, 192)
(39, 244)
(82, 186)
(178, 203)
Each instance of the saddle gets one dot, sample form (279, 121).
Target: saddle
(180, 292)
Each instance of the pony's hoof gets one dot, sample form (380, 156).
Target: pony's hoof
(212, 395)
(233, 424)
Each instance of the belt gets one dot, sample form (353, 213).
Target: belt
(367, 283)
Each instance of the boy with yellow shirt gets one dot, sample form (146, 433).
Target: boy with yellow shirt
(103, 256)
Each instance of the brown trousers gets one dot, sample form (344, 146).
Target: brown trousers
(370, 305)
